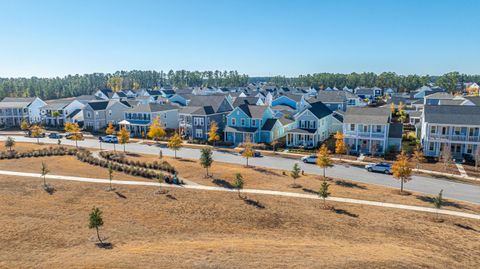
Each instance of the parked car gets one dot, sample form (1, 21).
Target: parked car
(109, 139)
(70, 136)
(379, 167)
(55, 136)
(255, 153)
(468, 159)
(30, 134)
(310, 159)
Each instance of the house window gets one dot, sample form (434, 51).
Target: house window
(198, 133)
(242, 122)
(352, 127)
(469, 148)
(433, 129)
(96, 113)
(365, 128)
(431, 146)
(444, 130)
(233, 122)
(379, 128)
(457, 131)
(198, 121)
(110, 112)
(254, 123)
(89, 115)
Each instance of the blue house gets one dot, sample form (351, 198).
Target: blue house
(296, 102)
(256, 123)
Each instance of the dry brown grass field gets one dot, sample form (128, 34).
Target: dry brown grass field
(222, 174)
(201, 229)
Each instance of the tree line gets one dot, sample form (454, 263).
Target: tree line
(405, 83)
(75, 85)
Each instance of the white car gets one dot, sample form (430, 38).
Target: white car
(310, 159)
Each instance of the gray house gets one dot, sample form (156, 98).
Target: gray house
(98, 114)
(195, 119)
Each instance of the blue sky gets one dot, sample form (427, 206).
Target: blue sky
(54, 38)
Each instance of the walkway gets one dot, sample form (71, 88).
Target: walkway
(253, 191)
(461, 170)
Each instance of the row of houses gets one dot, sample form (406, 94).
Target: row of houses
(302, 116)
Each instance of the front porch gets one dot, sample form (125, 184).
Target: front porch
(302, 138)
(135, 129)
(365, 146)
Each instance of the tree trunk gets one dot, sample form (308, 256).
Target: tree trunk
(207, 171)
(324, 177)
(247, 161)
(100, 145)
(401, 185)
(324, 203)
(76, 143)
(114, 149)
(44, 181)
(239, 196)
(175, 154)
(123, 147)
(98, 236)
(38, 140)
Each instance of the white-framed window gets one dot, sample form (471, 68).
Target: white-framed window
(365, 128)
(198, 121)
(433, 129)
(379, 128)
(110, 112)
(233, 122)
(96, 113)
(431, 146)
(242, 122)
(88, 114)
(254, 123)
(198, 133)
(469, 148)
(352, 127)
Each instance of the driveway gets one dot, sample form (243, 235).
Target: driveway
(424, 184)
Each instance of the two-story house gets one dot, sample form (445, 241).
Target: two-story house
(455, 127)
(195, 118)
(296, 102)
(311, 127)
(14, 110)
(370, 130)
(254, 123)
(58, 112)
(97, 114)
(139, 118)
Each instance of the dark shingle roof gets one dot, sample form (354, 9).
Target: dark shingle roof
(212, 101)
(474, 99)
(98, 105)
(371, 115)
(245, 101)
(319, 109)
(253, 111)
(302, 131)
(395, 130)
(268, 125)
(456, 115)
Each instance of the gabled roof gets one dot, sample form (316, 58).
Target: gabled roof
(455, 115)
(154, 92)
(245, 101)
(439, 95)
(253, 111)
(214, 102)
(152, 107)
(98, 105)
(330, 97)
(75, 112)
(370, 115)
(16, 102)
(58, 103)
(294, 97)
(319, 109)
(474, 99)
(269, 124)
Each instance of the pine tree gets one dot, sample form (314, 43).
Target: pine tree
(324, 193)
(9, 143)
(96, 221)
(295, 173)
(238, 184)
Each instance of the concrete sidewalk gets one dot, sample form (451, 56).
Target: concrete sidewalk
(252, 191)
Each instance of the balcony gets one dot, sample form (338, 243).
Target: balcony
(454, 138)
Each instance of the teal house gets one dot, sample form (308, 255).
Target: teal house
(254, 123)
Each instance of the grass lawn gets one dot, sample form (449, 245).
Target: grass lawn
(271, 179)
(24, 147)
(200, 229)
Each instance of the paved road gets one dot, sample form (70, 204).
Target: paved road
(255, 191)
(424, 184)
